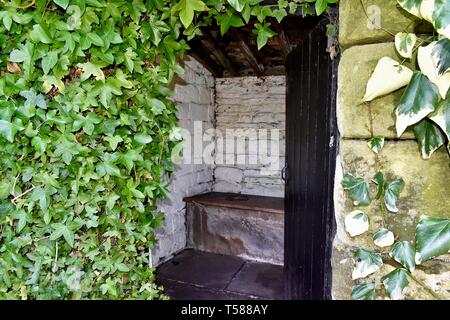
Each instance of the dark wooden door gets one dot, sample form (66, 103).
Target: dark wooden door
(311, 137)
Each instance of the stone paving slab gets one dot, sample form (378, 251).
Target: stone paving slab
(195, 275)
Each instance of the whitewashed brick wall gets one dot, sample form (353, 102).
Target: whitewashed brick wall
(251, 103)
(194, 97)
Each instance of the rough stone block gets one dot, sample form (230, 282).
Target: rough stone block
(425, 193)
(355, 68)
(254, 235)
(355, 28)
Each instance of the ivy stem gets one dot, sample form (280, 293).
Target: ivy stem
(56, 257)
(427, 288)
(14, 185)
(383, 218)
(25, 6)
(373, 22)
(22, 194)
(416, 47)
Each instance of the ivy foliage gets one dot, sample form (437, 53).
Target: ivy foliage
(424, 105)
(432, 239)
(86, 133)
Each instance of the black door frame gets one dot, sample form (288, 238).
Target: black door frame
(311, 150)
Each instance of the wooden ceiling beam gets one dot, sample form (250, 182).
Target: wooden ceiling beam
(208, 41)
(248, 53)
(204, 58)
(283, 40)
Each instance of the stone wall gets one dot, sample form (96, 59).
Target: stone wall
(250, 103)
(194, 97)
(427, 181)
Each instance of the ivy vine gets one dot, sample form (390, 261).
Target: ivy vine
(425, 107)
(86, 127)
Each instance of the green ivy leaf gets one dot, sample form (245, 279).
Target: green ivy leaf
(61, 230)
(367, 262)
(24, 54)
(376, 143)
(87, 123)
(322, 5)
(364, 291)
(40, 34)
(90, 69)
(279, 14)
(49, 61)
(429, 137)
(9, 129)
(358, 188)
(229, 20)
(395, 283)
(263, 33)
(432, 238)
(404, 253)
(129, 158)
(66, 149)
(114, 141)
(187, 9)
(157, 105)
(142, 138)
(246, 13)
(40, 144)
(62, 3)
(108, 165)
(419, 99)
(42, 195)
(238, 5)
(33, 99)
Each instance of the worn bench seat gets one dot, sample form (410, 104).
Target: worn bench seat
(248, 226)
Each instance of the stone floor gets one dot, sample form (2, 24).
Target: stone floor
(195, 275)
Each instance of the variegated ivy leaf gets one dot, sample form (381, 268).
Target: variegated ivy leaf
(430, 69)
(412, 6)
(419, 99)
(364, 291)
(395, 283)
(441, 116)
(437, 12)
(441, 55)
(358, 188)
(391, 190)
(383, 238)
(387, 77)
(392, 194)
(432, 238)
(404, 43)
(429, 137)
(403, 252)
(380, 181)
(356, 223)
(367, 262)
(376, 143)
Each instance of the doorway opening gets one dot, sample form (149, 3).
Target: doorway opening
(250, 213)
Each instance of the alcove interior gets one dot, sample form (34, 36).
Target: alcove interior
(223, 236)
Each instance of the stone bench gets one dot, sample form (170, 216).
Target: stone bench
(248, 226)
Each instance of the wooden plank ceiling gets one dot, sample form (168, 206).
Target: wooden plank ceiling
(236, 54)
